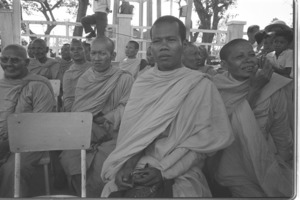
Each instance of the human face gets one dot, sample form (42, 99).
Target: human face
(65, 52)
(130, 50)
(166, 46)
(14, 64)
(268, 44)
(241, 62)
(280, 44)
(101, 56)
(150, 57)
(77, 53)
(39, 50)
(192, 58)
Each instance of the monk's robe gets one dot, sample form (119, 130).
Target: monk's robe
(64, 65)
(49, 69)
(177, 118)
(132, 65)
(70, 79)
(32, 93)
(258, 163)
(105, 92)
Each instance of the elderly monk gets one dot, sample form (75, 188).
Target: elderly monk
(195, 58)
(72, 75)
(41, 64)
(131, 63)
(20, 91)
(174, 118)
(258, 163)
(102, 90)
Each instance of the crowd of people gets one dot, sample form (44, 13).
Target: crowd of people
(165, 126)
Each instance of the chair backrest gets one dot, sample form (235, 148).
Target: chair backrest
(56, 87)
(49, 131)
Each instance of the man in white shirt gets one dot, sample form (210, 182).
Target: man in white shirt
(100, 8)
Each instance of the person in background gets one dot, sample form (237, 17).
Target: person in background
(102, 90)
(267, 44)
(259, 162)
(251, 31)
(195, 58)
(282, 57)
(131, 63)
(71, 76)
(173, 120)
(29, 50)
(87, 50)
(101, 8)
(20, 91)
(41, 64)
(150, 61)
(65, 61)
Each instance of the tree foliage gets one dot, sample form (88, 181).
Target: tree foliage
(47, 7)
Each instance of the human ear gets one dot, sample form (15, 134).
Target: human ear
(224, 64)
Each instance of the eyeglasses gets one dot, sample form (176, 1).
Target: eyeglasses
(13, 60)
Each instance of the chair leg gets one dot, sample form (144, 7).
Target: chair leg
(46, 174)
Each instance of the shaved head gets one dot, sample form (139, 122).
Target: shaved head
(104, 40)
(20, 50)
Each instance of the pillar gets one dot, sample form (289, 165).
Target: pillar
(235, 30)
(124, 29)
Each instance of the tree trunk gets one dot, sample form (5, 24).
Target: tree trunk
(82, 8)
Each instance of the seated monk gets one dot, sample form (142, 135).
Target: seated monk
(20, 91)
(259, 162)
(102, 90)
(41, 64)
(173, 120)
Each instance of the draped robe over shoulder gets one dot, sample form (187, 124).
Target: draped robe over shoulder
(49, 69)
(131, 65)
(32, 93)
(70, 79)
(96, 92)
(253, 166)
(178, 117)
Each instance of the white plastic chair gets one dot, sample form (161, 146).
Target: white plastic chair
(32, 132)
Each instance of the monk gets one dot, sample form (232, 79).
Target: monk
(195, 58)
(102, 90)
(65, 61)
(41, 64)
(131, 63)
(173, 120)
(259, 162)
(71, 76)
(20, 91)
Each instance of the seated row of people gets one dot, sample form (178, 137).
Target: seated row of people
(155, 133)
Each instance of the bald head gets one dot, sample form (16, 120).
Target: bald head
(19, 50)
(104, 40)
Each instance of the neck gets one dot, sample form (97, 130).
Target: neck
(79, 62)
(42, 60)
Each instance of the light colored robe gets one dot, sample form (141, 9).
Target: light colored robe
(63, 67)
(32, 93)
(254, 166)
(178, 116)
(131, 65)
(70, 79)
(95, 92)
(49, 69)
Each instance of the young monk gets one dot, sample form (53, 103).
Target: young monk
(259, 162)
(102, 90)
(174, 118)
(131, 63)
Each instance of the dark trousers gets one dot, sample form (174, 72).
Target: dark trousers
(99, 18)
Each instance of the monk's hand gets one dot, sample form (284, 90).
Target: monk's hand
(99, 119)
(147, 176)
(259, 80)
(124, 178)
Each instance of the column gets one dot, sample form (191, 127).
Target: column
(124, 30)
(235, 30)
